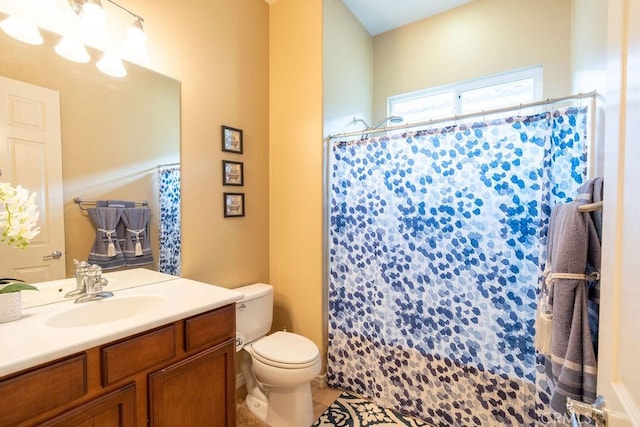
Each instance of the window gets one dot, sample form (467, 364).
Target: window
(483, 94)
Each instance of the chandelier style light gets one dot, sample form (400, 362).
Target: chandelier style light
(87, 27)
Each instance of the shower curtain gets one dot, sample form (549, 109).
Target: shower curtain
(170, 232)
(436, 252)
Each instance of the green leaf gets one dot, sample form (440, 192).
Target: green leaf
(16, 287)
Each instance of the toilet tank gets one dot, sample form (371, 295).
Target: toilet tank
(254, 313)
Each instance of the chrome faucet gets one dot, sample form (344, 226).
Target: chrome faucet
(80, 273)
(94, 282)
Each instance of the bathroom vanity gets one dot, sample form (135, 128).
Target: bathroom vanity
(160, 354)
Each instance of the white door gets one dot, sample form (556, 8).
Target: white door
(31, 156)
(619, 350)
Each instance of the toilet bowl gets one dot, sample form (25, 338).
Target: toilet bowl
(277, 368)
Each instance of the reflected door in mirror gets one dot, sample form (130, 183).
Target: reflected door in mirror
(30, 156)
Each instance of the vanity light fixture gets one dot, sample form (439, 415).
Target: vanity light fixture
(89, 30)
(112, 65)
(21, 30)
(135, 43)
(92, 27)
(93, 18)
(92, 10)
(72, 49)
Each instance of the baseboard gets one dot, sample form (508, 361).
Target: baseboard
(320, 381)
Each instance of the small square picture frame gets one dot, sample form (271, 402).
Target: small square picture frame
(232, 173)
(233, 205)
(231, 140)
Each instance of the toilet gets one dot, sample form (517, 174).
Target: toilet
(277, 368)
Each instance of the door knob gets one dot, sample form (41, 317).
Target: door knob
(54, 255)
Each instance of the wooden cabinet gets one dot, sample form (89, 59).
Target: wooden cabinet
(42, 389)
(194, 392)
(115, 409)
(178, 375)
(128, 357)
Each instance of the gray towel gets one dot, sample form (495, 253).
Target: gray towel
(137, 245)
(120, 227)
(592, 192)
(573, 248)
(106, 251)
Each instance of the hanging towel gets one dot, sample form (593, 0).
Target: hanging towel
(120, 227)
(592, 192)
(137, 245)
(573, 259)
(106, 251)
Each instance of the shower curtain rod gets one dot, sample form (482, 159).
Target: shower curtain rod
(548, 101)
(168, 165)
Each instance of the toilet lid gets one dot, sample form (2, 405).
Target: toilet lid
(287, 348)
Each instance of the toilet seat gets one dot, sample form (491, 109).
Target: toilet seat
(286, 350)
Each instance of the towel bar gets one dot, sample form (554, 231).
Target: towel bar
(84, 204)
(591, 207)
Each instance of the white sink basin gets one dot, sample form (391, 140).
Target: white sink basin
(106, 310)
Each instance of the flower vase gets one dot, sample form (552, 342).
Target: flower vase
(10, 306)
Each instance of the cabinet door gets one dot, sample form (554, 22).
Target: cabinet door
(42, 390)
(116, 409)
(196, 392)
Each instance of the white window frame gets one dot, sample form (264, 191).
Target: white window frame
(457, 89)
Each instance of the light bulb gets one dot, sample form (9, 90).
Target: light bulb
(134, 46)
(94, 12)
(72, 49)
(111, 65)
(93, 24)
(21, 30)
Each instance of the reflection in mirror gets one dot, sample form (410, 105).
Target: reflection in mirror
(56, 291)
(116, 135)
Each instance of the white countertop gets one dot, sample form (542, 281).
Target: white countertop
(34, 339)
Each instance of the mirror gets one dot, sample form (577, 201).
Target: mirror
(116, 132)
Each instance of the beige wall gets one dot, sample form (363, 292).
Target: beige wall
(589, 45)
(295, 161)
(481, 38)
(348, 70)
(589, 66)
(219, 50)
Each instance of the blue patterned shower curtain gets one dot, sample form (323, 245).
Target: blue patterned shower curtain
(170, 232)
(436, 251)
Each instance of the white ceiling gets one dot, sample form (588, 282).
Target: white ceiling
(379, 16)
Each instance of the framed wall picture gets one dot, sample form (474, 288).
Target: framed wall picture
(232, 173)
(233, 204)
(231, 139)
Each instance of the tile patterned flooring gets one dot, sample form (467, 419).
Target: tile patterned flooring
(322, 399)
